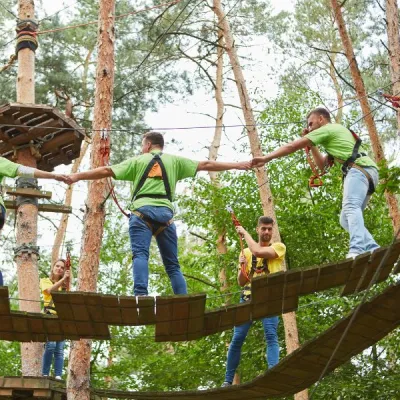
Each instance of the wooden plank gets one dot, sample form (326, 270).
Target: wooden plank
(28, 192)
(309, 281)
(333, 275)
(57, 208)
(258, 289)
(212, 321)
(147, 315)
(4, 301)
(291, 291)
(129, 310)
(358, 267)
(371, 267)
(111, 309)
(243, 313)
(94, 306)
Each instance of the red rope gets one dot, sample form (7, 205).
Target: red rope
(105, 156)
(394, 100)
(243, 265)
(68, 268)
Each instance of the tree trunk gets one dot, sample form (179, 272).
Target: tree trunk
(291, 334)
(365, 107)
(392, 18)
(62, 228)
(27, 214)
(78, 383)
(339, 94)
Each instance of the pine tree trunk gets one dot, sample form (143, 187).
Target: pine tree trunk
(62, 228)
(27, 214)
(392, 18)
(79, 363)
(291, 333)
(365, 107)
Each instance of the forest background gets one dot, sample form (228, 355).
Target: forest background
(293, 61)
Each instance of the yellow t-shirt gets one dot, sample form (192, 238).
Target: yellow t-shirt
(46, 283)
(274, 265)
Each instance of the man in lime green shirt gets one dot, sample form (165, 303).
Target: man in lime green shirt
(154, 175)
(359, 180)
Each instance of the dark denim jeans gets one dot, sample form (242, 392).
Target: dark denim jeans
(239, 335)
(167, 242)
(55, 349)
(2, 217)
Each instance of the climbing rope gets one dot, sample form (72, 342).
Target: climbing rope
(68, 268)
(243, 265)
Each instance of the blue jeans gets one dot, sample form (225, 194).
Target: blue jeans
(355, 199)
(167, 242)
(55, 349)
(239, 335)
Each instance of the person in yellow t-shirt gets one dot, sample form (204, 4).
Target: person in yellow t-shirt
(57, 281)
(260, 258)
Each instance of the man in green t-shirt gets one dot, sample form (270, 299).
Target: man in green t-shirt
(154, 175)
(361, 176)
(12, 170)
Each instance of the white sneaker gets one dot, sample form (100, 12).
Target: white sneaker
(59, 378)
(352, 255)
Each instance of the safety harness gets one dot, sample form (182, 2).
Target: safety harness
(154, 169)
(246, 291)
(350, 162)
(315, 180)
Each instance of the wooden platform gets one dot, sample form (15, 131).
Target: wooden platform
(181, 318)
(294, 373)
(58, 137)
(34, 388)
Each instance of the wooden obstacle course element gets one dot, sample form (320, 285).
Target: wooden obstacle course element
(58, 138)
(181, 318)
(37, 327)
(303, 367)
(28, 192)
(32, 388)
(57, 208)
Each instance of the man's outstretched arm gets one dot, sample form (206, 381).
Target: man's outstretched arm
(93, 174)
(222, 166)
(282, 151)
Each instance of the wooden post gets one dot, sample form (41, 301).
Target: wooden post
(78, 383)
(365, 107)
(27, 214)
(289, 319)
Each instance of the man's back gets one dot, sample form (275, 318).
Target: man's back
(339, 142)
(177, 168)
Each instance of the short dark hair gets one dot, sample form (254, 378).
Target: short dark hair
(263, 220)
(155, 138)
(320, 111)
